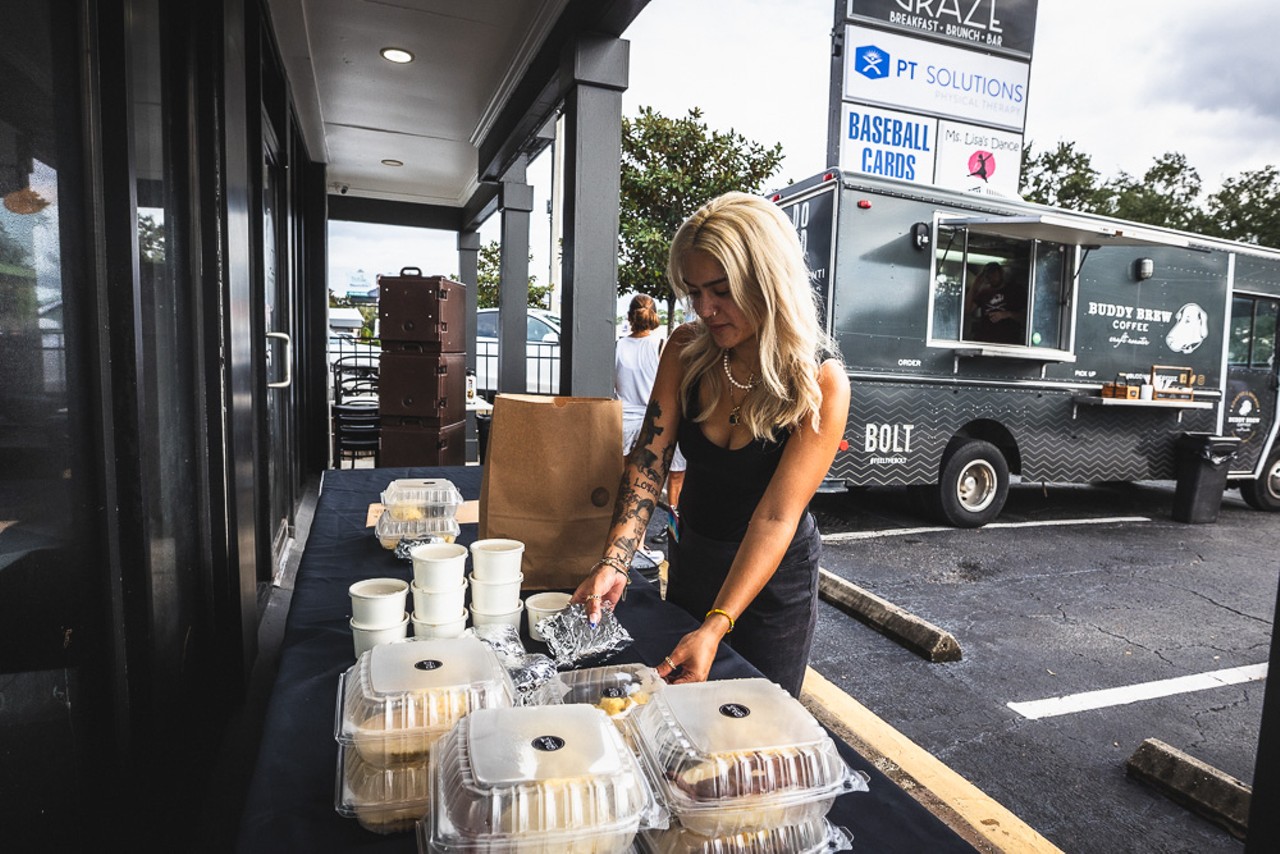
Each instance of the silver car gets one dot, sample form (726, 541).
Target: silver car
(542, 351)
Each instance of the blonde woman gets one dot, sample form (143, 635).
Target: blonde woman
(757, 399)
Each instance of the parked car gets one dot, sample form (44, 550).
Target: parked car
(542, 350)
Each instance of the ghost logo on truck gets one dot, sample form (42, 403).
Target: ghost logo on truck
(887, 443)
(1190, 328)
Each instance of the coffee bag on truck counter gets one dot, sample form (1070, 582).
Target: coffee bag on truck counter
(551, 477)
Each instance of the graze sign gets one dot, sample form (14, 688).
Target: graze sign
(921, 76)
(999, 25)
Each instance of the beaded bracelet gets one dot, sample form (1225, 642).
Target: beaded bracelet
(616, 565)
(722, 613)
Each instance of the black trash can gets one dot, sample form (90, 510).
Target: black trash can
(1202, 462)
(483, 421)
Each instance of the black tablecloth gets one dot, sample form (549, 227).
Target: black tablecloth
(290, 802)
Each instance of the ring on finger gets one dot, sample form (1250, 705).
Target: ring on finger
(667, 661)
(594, 596)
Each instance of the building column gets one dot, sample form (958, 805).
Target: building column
(469, 273)
(515, 200)
(597, 67)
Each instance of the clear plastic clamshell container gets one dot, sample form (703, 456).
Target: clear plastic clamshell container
(412, 499)
(383, 800)
(399, 698)
(536, 780)
(616, 689)
(815, 836)
(737, 755)
(390, 531)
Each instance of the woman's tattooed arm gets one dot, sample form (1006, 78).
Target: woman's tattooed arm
(643, 484)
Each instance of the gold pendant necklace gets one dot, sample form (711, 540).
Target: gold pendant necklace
(735, 414)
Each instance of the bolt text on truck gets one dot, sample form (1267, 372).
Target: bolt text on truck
(987, 336)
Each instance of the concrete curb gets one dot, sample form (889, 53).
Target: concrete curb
(1203, 789)
(917, 635)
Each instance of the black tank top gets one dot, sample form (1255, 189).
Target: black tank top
(722, 487)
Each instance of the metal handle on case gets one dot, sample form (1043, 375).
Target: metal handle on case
(288, 360)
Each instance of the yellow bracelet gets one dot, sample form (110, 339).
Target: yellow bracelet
(722, 613)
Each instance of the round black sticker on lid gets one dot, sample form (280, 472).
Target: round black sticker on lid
(734, 710)
(614, 692)
(428, 664)
(547, 742)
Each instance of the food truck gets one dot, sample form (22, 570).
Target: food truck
(987, 336)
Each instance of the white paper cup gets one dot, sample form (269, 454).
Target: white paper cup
(511, 618)
(377, 603)
(434, 606)
(496, 560)
(450, 628)
(366, 639)
(438, 566)
(539, 606)
(495, 597)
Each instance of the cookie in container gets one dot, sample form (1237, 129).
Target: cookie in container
(399, 698)
(738, 755)
(536, 780)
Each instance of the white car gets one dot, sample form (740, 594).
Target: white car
(542, 352)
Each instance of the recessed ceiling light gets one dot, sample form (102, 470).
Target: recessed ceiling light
(396, 54)
(391, 162)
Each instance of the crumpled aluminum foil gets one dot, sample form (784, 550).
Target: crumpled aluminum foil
(407, 544)
(573, 641)
(529, 671)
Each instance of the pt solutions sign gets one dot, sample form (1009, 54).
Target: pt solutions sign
(933, 91)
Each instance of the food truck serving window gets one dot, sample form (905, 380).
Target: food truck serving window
(999, 289)
(1007, 281)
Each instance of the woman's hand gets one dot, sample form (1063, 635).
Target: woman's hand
(604, 584)
(691, 660)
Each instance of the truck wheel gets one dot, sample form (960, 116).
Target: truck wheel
(1264, 492)
(973, 485)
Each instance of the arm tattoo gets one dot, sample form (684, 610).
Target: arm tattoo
(639, 496)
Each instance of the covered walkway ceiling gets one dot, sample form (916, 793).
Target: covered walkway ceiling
(484, 80)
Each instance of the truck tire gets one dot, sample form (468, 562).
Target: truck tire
(1264, 492)
(973, 485)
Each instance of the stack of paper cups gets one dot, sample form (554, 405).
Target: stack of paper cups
(439, 590)
(377, 612)
(495, 581)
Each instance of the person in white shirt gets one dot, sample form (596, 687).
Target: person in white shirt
(635, 367)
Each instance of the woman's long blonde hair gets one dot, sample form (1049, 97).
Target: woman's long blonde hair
(768, 281)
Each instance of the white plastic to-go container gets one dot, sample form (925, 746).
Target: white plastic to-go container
(383, 800)
(816, 836)
(738, 755)
(438, 566)
(616, 689)
(378, 603)
(495, 560)
(399, 698)
(390, 532)
(495, 597)
(438, 606)
(536, 780)
(410, 499)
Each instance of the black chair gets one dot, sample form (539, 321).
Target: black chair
(356, 431)
(354, 377)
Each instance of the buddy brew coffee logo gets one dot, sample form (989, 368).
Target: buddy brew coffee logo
(428, 664)
(1244, 416)
(547, 743)
(734, 710)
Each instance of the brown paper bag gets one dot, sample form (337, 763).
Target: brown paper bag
(551, 475)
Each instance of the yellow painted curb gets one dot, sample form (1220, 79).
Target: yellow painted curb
(957, 802)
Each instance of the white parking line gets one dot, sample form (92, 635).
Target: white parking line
(899, 532)
(1053, 706)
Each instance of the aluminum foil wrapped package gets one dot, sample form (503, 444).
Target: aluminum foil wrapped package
(406, 545)
(528, 671)
(574, 641)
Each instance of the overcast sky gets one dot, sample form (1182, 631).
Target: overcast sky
(1126, 80)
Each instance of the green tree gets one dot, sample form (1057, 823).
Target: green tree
(670, 167)
(488, 277)
(1246, 208)
(1167, 194)
(1063, 178)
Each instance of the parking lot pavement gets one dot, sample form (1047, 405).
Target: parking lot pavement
(1106, 592)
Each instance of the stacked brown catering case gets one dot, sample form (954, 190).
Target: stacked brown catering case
(422, 380)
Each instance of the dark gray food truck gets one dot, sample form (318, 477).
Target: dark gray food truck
(986, 336)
